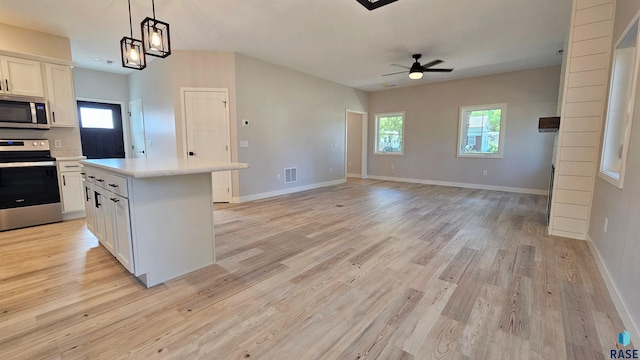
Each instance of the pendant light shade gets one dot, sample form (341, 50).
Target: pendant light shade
(132, 50)
(155, 35)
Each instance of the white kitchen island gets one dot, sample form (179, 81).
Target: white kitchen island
(154, 215)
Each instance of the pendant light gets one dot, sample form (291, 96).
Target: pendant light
(155, 35)
(132, 50)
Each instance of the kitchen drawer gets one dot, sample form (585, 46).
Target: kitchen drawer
(99, 178)
(117, 184)
(67, 166)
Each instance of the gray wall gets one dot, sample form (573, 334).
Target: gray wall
(101, 85)
(431, 129)
(619, 247)
(296, 120)
(154, 86)
(354, 143)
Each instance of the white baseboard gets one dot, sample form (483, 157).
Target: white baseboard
(292, 190)
(353, 175)
(463, 185)
(622, 309)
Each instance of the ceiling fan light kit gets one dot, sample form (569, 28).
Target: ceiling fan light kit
(374, 4)
(416, 71)
(132, 50)
(155, 35)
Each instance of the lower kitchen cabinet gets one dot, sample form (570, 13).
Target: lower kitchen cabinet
(108, 215)
(71, 187)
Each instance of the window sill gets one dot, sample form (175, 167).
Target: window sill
(611, 177)
(388, 153)
(481, 156)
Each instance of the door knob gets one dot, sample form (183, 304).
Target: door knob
(191, 153)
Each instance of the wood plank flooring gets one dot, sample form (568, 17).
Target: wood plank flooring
(363, 270)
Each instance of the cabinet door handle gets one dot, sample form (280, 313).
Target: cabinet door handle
(114, 199)
(97, 197)
(91, 177)
(73, 166)
(100, 180)
(64, 181)
(6, 81)
(82, 173)
(113, 185)
(53, 113)
(86, 193)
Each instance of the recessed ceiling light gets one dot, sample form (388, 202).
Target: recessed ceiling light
(96, 59)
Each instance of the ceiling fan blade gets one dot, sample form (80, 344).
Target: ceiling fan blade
(432, 63)
(401, 72)
(402, 66)
(438, 70)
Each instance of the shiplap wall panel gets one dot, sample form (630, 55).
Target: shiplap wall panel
(581, 124)
(571, 139)
(582, 183)
(591, 62)
(592, 46)
(578, 153)
(594, 14)
(572, 211)
(592, 31)
(587, 78)
(587, 108)
(585, 93)
(582, 4)
(574, 197)
(571, 225)
(576, 168)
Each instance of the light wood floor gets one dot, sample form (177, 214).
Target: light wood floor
(367, 269)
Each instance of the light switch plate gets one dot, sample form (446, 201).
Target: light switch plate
(57, 143)
(244, 143)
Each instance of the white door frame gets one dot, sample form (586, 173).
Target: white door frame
(183, 90)
(125, 121)
(365, 138)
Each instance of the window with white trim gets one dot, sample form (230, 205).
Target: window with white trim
(389, 133)
(624, 75)
(481, 130)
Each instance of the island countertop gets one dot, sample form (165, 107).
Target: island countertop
(146, 168)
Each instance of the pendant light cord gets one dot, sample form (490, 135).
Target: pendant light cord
(153, 7)
(130, 26)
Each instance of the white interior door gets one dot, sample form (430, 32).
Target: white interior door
(207, 132)
(136, 123)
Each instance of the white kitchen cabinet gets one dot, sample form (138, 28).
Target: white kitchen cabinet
(108, 214)
(60, 94)
(21, 77)
(71, 186)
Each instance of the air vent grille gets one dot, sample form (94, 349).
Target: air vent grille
(290, 175)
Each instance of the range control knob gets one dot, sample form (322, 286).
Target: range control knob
(42, 143)
(35, 143)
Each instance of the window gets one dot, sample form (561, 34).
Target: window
(93, 118)
(389, 134)
(481, 131)
(624, 74)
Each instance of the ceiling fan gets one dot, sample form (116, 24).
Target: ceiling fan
(416, 70)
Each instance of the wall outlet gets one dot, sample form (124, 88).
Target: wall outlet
(277, 176)
(484, 172)
(149, 144)
(244, 143)
(606, 224)
(245, 122)
(57, 143)
(393, 167)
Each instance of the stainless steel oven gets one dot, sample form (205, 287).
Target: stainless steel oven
(29, 193)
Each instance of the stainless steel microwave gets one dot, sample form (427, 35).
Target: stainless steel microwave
(23, 113)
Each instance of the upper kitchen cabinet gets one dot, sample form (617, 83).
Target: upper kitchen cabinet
(20, 77)
(61, 96)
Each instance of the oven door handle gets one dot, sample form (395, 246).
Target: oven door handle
(27, 164)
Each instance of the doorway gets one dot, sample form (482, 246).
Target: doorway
(206, 133)
(136, 121)
(356, 147)
(101, 131)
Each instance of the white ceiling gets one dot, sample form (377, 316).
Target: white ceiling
(338, 40)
